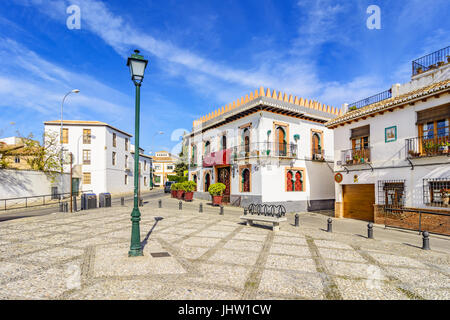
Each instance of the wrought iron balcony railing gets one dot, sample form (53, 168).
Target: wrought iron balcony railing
(427, 147)
(193, 163)
(318, 154)
(373, 99)
(356, 156)
(265, 149)
(431, 61)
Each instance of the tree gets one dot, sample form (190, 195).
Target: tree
(45, 157)
(4, 157)
(180, 168)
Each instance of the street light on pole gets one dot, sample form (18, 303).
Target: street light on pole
(61, 138)
(137, 65)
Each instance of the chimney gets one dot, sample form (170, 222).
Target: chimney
(395, 90)
(344, 108)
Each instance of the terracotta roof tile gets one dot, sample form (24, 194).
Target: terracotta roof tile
(389, 103)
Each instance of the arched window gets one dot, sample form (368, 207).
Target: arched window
(246, 180)
(224, 142)
(298, 181)
(207, 182)
(207, 147)
(194, 178)
(194, 154)
(316, 145)
(280, 142)
(246, 139)
(289, 181)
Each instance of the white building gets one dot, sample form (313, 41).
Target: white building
(102, 156)
(393, 151)
(266, 148)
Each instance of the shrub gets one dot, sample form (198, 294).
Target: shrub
(175, 186)
(177, 178)
(216, 189)
(188, 186)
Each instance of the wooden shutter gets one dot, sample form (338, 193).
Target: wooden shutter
(360, 132)
(433, 114)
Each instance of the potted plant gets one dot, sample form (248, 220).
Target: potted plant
(446, 147)
(216, 191)
(356, 158)
(173, 190)
(180, 191)
(445, 194)
(188, 187)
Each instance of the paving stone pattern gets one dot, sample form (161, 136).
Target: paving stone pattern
(84, 256)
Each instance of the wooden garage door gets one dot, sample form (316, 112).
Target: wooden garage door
(358, 201)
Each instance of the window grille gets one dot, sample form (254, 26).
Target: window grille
(436, 192)
(392, 193)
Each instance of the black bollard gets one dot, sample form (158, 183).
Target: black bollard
(221, 210)
(180, 205)
(122, 201)
(370, 230)
(296, 220)
(74, 205)
(61, 207)
(330, 226)
(66, 207)
(426, 240)
(245, 211)
(159, 203)
(200, 207)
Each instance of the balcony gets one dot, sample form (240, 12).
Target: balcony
(318, 154)
(373, 99)
(265, 149)
(221, 157)
(193, 163)
(355, 156)
(420, 147)
(431, 61)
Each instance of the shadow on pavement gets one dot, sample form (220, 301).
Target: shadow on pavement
(144, 242)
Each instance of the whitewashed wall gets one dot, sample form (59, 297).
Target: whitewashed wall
(392, 154)
(25, 183)
(269, 181)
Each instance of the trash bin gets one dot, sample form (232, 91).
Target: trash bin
(88, 201)
(104, 200)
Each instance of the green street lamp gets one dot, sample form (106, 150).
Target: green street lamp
(137, 65)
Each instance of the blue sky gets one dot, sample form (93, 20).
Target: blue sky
(202, 55)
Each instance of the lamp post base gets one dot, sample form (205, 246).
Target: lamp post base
(135, 246)
(135, 253)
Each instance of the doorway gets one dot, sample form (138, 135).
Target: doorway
(223, 175)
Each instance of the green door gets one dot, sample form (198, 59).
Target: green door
(75, 186)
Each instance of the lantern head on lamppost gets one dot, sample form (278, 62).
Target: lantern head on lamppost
(137, 64)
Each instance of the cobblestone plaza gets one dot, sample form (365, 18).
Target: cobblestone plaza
(192, 255)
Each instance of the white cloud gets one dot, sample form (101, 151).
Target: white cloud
(29, 81)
